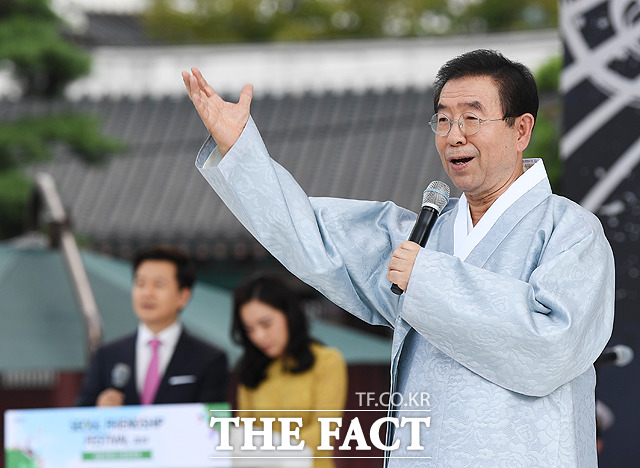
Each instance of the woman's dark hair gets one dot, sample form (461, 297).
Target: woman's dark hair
(273, 292)
(516, 85)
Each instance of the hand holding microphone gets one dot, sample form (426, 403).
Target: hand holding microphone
(113, 396)
(434, 199)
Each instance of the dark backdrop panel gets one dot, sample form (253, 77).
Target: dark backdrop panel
(602, 130)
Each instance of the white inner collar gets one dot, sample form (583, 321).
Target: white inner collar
(466, 236)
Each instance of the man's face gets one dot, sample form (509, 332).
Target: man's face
(156, 294)
(485, 164)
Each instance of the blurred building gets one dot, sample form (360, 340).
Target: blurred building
(346, 118)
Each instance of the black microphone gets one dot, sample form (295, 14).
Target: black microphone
(618, 355)
(120, 375)
(434, 198)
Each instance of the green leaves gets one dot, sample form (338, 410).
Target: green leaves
(42, 61)
(15, 190)
(34, 49)
(36, 9)
(545, 141)
(29, 140)
(295, 20)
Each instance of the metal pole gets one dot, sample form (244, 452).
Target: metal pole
(73, 260)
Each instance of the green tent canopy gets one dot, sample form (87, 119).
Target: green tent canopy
(42, 328)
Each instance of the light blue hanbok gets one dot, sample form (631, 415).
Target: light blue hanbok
(502, 338)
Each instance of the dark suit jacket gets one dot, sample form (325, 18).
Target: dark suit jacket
(197, 372)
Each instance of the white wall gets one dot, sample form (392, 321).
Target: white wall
(293, 67)
(297, 67)
(101, 6)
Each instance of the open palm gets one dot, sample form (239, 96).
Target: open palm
(224, 120)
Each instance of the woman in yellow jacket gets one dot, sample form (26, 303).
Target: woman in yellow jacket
(282, 367)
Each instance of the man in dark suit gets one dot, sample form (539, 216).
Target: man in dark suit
(161, 362)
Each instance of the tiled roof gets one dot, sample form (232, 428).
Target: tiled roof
(366, 146)
(114, 30)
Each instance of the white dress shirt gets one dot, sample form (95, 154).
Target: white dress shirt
(169, 339)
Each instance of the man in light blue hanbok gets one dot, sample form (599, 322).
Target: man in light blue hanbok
(505, 309)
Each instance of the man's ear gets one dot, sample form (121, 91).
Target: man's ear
(185, 296)
(524, 127)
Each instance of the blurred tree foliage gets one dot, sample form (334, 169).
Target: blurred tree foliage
(31, 43)
(193, 21)
(545, 142)
(34, 51)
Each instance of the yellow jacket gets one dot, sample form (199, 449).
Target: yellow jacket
(322, 387)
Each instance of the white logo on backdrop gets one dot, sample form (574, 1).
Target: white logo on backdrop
(602, 65)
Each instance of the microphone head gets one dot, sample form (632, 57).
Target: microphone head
(436, 195)
(624, 355)
(120, 375)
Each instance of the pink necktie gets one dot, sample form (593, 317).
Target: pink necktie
(152, 380)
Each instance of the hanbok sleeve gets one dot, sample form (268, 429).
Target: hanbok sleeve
(340, 247)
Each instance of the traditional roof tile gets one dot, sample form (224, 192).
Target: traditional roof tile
(374, 146)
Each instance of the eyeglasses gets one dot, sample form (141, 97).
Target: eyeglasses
(468, 122)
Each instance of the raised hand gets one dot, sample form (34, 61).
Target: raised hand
(224, 120)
